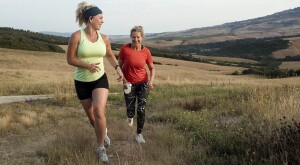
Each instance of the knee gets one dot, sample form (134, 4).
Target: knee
(99, 113)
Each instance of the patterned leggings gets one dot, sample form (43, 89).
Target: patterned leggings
(138, 91)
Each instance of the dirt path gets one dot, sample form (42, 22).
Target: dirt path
(24, 98)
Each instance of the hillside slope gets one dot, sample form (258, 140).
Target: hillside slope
(27, 40)
(285, 23)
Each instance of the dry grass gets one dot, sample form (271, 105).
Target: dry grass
(231, 121)
(292, 50)
(4, 122)
(184, 72)
(33, 67)
(179, 72)
(290, 65)
(162, 43)
(226, 59)
(242, 34)
(194, 101)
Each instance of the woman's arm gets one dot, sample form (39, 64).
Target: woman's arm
(121, 63)
(111, 57)
(71, 54)
(152, 75)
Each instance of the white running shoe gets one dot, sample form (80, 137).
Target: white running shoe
(102, 154)
(130, 122)
(106, 141)
(139, 138)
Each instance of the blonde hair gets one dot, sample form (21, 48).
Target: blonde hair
(137, 29)
(83, 6)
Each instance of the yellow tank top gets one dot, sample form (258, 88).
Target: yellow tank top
(91, 53)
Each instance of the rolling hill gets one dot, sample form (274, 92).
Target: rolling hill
(269, 41)
(27, 40)
(281, 24)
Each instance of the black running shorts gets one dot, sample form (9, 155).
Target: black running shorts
(84, 89)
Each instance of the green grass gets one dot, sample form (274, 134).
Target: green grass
(208, 124)
(234, 124)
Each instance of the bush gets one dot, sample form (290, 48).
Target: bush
(235, 73)
(281, 147)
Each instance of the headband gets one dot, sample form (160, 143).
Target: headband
(91, 12)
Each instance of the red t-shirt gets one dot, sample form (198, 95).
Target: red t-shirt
(134, 62)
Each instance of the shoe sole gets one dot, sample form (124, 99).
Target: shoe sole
(140, 142)
(105, 162)
(103, 159)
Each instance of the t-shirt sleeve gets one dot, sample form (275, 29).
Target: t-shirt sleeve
(149, 58)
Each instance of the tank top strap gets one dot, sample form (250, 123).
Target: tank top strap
(82, 35)
(100, 39)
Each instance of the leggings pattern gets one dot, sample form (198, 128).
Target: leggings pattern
(139, 92)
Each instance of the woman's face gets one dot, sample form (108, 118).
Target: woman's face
(136, 38)
(97, 21)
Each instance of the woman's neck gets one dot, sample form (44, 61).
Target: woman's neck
(91, 34)
(136, 46)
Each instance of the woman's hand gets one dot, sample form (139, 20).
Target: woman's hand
(150, 84)
(93, 67)
(125, 83)
(120, 73)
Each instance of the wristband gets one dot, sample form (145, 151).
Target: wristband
(116, 67)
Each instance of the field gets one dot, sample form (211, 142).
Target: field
(196, 114)
(290, 65)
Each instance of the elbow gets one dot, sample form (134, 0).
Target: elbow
(70, 61)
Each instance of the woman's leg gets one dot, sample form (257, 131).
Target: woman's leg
(87, 105)
(99, 100)
(142, 93)
(130, 100)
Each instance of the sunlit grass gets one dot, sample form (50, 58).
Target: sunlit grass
(196, 114)
(4, 122)
(28, 118)
(225, 120)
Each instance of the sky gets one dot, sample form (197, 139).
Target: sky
(120, 16)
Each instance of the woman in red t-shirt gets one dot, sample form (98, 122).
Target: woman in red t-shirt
(132, 60)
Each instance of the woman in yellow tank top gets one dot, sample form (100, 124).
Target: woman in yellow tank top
(86, 50)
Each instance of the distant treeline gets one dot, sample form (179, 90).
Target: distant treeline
(291, 58)
(27, 40)
(255, 49)
(252, 48)
(272, 72)
(115, 46)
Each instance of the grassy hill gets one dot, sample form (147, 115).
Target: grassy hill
(27, 40)
(254, 49)
(284, 23)
(197, 113)
(259, 50)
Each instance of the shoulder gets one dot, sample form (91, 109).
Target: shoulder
(125, 46)
(145, 49)
(104, 37)
(76, 35)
